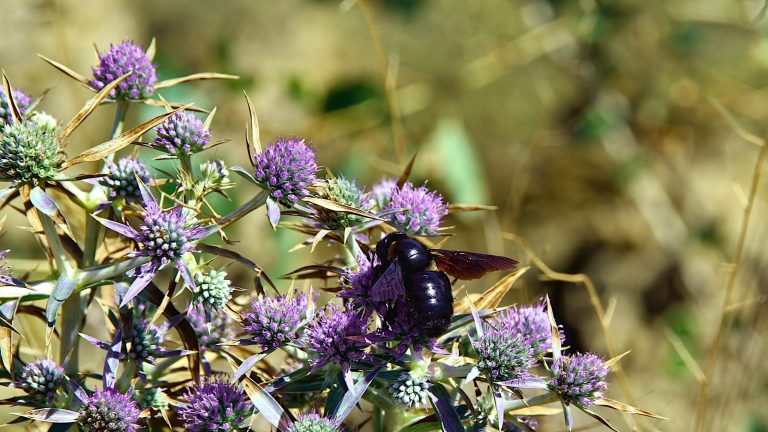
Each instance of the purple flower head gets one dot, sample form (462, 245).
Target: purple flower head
(215, 405)
(286, 169)
(121, 179)
(579, 378)
(502, 356)
(382, 192)
(182, 133)
(358, 284)
(109, 410)
(421, 210)
(532, 324)
(334, 337)
(118, 61)
(273, 321)
(346, 192)
(212, 289)
(22, 103)
(40, 379)
(165, 236)
(410, 393)
(312, 422)
(210, 333)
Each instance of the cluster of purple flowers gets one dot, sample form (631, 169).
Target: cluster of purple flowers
(182, 133)
(336, 336)
(215, 405)
(120, 60)
(579, 378)
(40, 379)
(531, 322)
(274, 321)
(22, 103)
(286, 169)
(109, 410)
(121, 179)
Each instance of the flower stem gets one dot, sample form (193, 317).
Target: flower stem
(96, 274)
(544, 399)
(117, 124)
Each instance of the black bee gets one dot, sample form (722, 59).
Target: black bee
(407, 263)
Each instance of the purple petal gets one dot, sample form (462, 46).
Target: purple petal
(186, 274)
(94, 341)
(148, 272)
(113, 359)
(117, 227)
(273, 212)
(246, 366)
(150, 204)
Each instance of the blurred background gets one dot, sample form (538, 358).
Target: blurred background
(596, 127)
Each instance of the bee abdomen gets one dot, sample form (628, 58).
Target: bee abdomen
(432, 299)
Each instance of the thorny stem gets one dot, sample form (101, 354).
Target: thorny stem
(714, 349)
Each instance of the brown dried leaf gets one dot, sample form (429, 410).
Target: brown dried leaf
(194, 77)
(620, 406)
(11, 101)
(6, 348)
(456, 208)
(100, 151)
(556, 343)
(89, 107)
(209, 119)
(492, 297)
(174, 105)
(536, 411)
(253, 140)
(613, 361)
(406, 172)
(152, 49)
(69, 72)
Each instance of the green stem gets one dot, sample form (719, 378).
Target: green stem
(97, 274)
(117, 124)
(92, 234)
(544, 399)
(254, 203)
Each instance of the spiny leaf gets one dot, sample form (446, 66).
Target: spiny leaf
(492, 297)
(194, 77)
(16, 114)
(620, 406)
(441, 400)
(51, 415)
(253, 140)
(152, 49)
(406, 172)
(102, 150)
(69, 72)
(89, 106)
(338, 207)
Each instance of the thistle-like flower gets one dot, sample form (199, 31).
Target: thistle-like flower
(210, 332)
(334, 337)
(579, 378)
(312, 422)
(212, 289)
(29, 153)
(274, 321)
(165, 237)
(410, 393)
(121, 181)
(420, 210)
(358, 284)
(182, 133)
(532, 324)
(40, 379)
(145, 341)
(382, 192)
(119, 60)
(152, 397)
(215, 405)
(109, 410)
(286, 169)
(343, 191)
(502, 356)
(22, 104)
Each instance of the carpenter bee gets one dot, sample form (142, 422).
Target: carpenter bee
(409, 269)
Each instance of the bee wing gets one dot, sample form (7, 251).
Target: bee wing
(469, 265)
(389, 285)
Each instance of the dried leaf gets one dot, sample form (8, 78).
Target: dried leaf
(152, 49)
(209, 119)
(406, 172)
(16, 114)
(620, 406)
(174, 105)
(69, 72)
(253, 140)
(51, 415)
(613, 361)
(337, 207)
(556, 343)
(492, 297)
(194, 77)
(6, 348)
(89, 107)
(456, 208)
(102, 150)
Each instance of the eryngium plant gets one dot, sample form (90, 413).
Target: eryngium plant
(183, 349)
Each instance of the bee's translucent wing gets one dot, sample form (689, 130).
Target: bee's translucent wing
(469, 265)
(389, 285)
